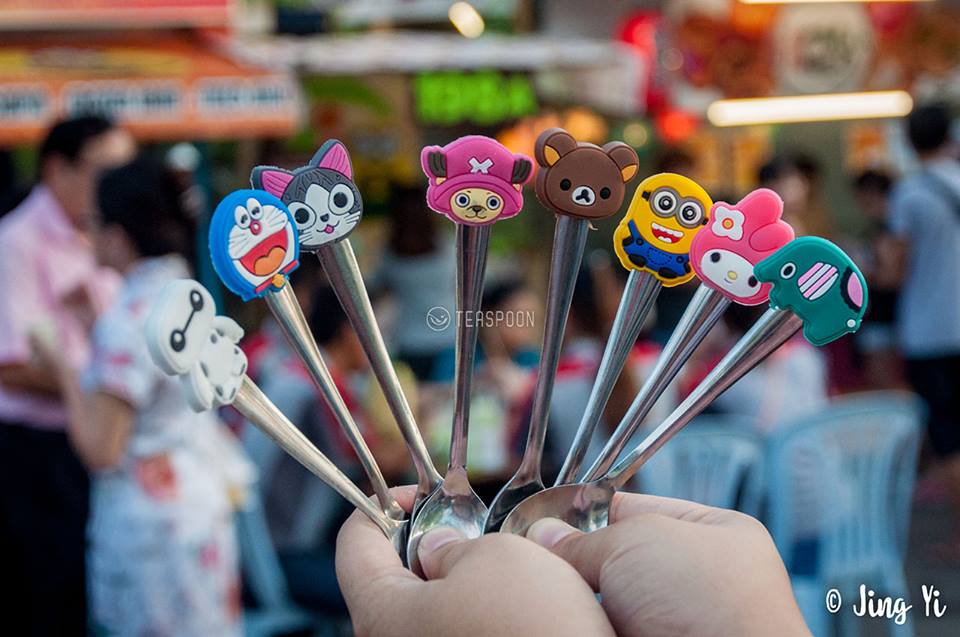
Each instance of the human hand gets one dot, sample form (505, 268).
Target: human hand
(497, 585)
(671, 567)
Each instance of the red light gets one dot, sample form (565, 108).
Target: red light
(676, 126)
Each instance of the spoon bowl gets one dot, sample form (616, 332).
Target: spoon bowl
(454, 504)
(583, 506)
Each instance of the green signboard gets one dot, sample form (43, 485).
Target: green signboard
(446, 98)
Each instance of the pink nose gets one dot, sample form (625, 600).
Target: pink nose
(255, 227)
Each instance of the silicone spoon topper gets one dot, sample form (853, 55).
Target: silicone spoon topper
(253, 243)
(829, 279)
(666, 213)
(818, 282)
(579, 179)
(327, 206)
(322, 197)
(657, 201)
(579, 182)
(187, 339)
(723, 253)
(737, 238)
(475, 180)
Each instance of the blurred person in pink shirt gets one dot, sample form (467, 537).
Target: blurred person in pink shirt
(46, 254)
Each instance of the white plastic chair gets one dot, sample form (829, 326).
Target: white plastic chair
(716, 461)
(276, 613)
(843, 479)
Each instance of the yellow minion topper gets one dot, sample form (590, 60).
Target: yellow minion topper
(666, 212)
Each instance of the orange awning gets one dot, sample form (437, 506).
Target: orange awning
(161, 86)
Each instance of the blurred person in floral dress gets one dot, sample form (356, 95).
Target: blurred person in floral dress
(162, 552)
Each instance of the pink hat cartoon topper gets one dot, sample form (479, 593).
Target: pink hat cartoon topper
(740, 236)
(475, 180)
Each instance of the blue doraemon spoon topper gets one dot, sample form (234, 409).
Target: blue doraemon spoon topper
(254, 247)
(253, 243)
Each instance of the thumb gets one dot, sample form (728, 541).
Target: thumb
(439, 550)
(588, 553)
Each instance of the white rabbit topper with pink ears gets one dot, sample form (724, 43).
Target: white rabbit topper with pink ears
(186, 338)
(738, 237)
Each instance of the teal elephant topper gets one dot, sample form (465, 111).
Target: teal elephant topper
(819, 283)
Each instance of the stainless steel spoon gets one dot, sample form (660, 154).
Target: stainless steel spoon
(586, 506)
(636, 302)
(569, 239)
(702, 313)
(340, 264)
(455, 504)
(259, 410)
(286, 309)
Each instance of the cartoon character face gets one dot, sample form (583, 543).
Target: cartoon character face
(738, 237)
(666, 213)
(186, 338)
(322, 197)
(819, 283)
(580, 179)
(253, 242)
(475, 180)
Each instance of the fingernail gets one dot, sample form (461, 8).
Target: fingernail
(436, 538)
(549, 531)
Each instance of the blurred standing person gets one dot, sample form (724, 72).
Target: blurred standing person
(925, 215)
(162, 552)
(794, 180)
(876, 339)
(46, 251)
(418, 270)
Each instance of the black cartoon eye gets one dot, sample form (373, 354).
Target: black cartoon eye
(341, 199)
(462, 200)
(604, 193)
(493, 202)
(565, 184)
(241, 217)
(254, 207)
(715, 257)
(752, 281)
(664, 202)
(788, 270)
(690, 214)
(303, 215)
(196, 300)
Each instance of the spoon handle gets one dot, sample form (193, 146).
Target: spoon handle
(702, 313)
(472, 242)
(340, 264)
(259, 410)
(569, 239)
(638, 298)
(770, 331)
(286, 309)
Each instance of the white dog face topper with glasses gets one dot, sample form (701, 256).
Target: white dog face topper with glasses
(186, 338)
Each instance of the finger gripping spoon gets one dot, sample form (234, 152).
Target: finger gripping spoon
(815, 286)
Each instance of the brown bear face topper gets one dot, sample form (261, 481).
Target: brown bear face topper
(580, 179)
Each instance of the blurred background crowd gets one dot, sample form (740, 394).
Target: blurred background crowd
(122, 123)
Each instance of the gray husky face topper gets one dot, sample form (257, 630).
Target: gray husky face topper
(321, 195)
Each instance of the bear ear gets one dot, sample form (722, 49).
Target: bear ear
(522, 167)
(552, 144)
(625, 158)
(273, 180)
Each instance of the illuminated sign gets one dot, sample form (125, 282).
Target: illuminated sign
(446, 98)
